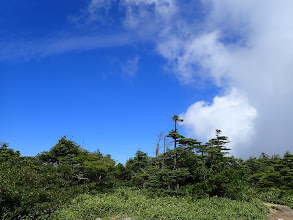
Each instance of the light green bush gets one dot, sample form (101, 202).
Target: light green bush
(127, 202)
(278, 196)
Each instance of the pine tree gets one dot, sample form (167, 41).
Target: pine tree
(176, 137)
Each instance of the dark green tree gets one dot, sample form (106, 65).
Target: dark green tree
(216, 149)
(30, 189)
(176, 137)
(138, 167)
(97, 168)
(64, 152)
(7, 153)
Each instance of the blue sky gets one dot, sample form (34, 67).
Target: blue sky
(114, 73)
(84, 93)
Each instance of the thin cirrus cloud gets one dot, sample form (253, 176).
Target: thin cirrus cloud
(246, 49)
(96, 6)
(97, 11)
(39, 48)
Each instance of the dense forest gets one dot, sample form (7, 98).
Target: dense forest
(65, 181)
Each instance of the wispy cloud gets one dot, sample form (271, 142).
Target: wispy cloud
(96, 8)
(130, 67)
(96, 12)
(39, 48)
(80, 34)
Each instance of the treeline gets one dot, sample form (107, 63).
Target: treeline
(34, 187)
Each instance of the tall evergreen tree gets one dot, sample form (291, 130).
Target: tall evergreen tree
(216, 148)
(176, 137)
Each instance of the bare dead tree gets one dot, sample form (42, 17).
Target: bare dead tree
(166, 148)
(159, 138)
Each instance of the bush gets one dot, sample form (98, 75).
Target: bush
(127, 202)
(30, 190)
(279, 196)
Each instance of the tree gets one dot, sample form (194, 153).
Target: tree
(273, 171)
(138, 168)
(176, 137)
(122, 173)
(7, 153)
(96, 167)
(76, 164)
(139, 163)
(29, 189)
(159, 138)
(64, 152)
(216, 148)
(168, 179)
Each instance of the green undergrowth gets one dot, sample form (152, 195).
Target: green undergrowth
(277, 196)
(129, 202)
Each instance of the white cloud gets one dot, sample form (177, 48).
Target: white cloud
(148, 17)
(148, 9)
(230, 113)
(262, 66)
(97, 9)
(130, 67)
(246, 45)
(25, 49)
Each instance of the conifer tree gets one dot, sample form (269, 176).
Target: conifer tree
(216, 148)
(176, 137)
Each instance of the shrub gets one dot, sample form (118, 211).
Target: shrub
(127, 202)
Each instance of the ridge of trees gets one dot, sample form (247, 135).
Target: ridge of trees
(33, 187)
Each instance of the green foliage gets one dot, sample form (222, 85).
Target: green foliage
(127, 202)
(210, 173)
(137, 168)
(168, 179)
(272, 177)
(272, 172)
(98, 168)
(7, 153)
(139, 163)
(34, 187)
(30, 189)
(78, 165)
(122, 173)
(175, 135)
(276, 195)
(64, 152)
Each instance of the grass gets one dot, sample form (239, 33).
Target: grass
(276, 208)
(129, 202)
(277, 196)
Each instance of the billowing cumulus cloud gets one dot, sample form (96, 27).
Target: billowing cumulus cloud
(258, 63)
(231, 112)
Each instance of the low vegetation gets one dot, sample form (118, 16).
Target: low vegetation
(276, 196)
(126, 202)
